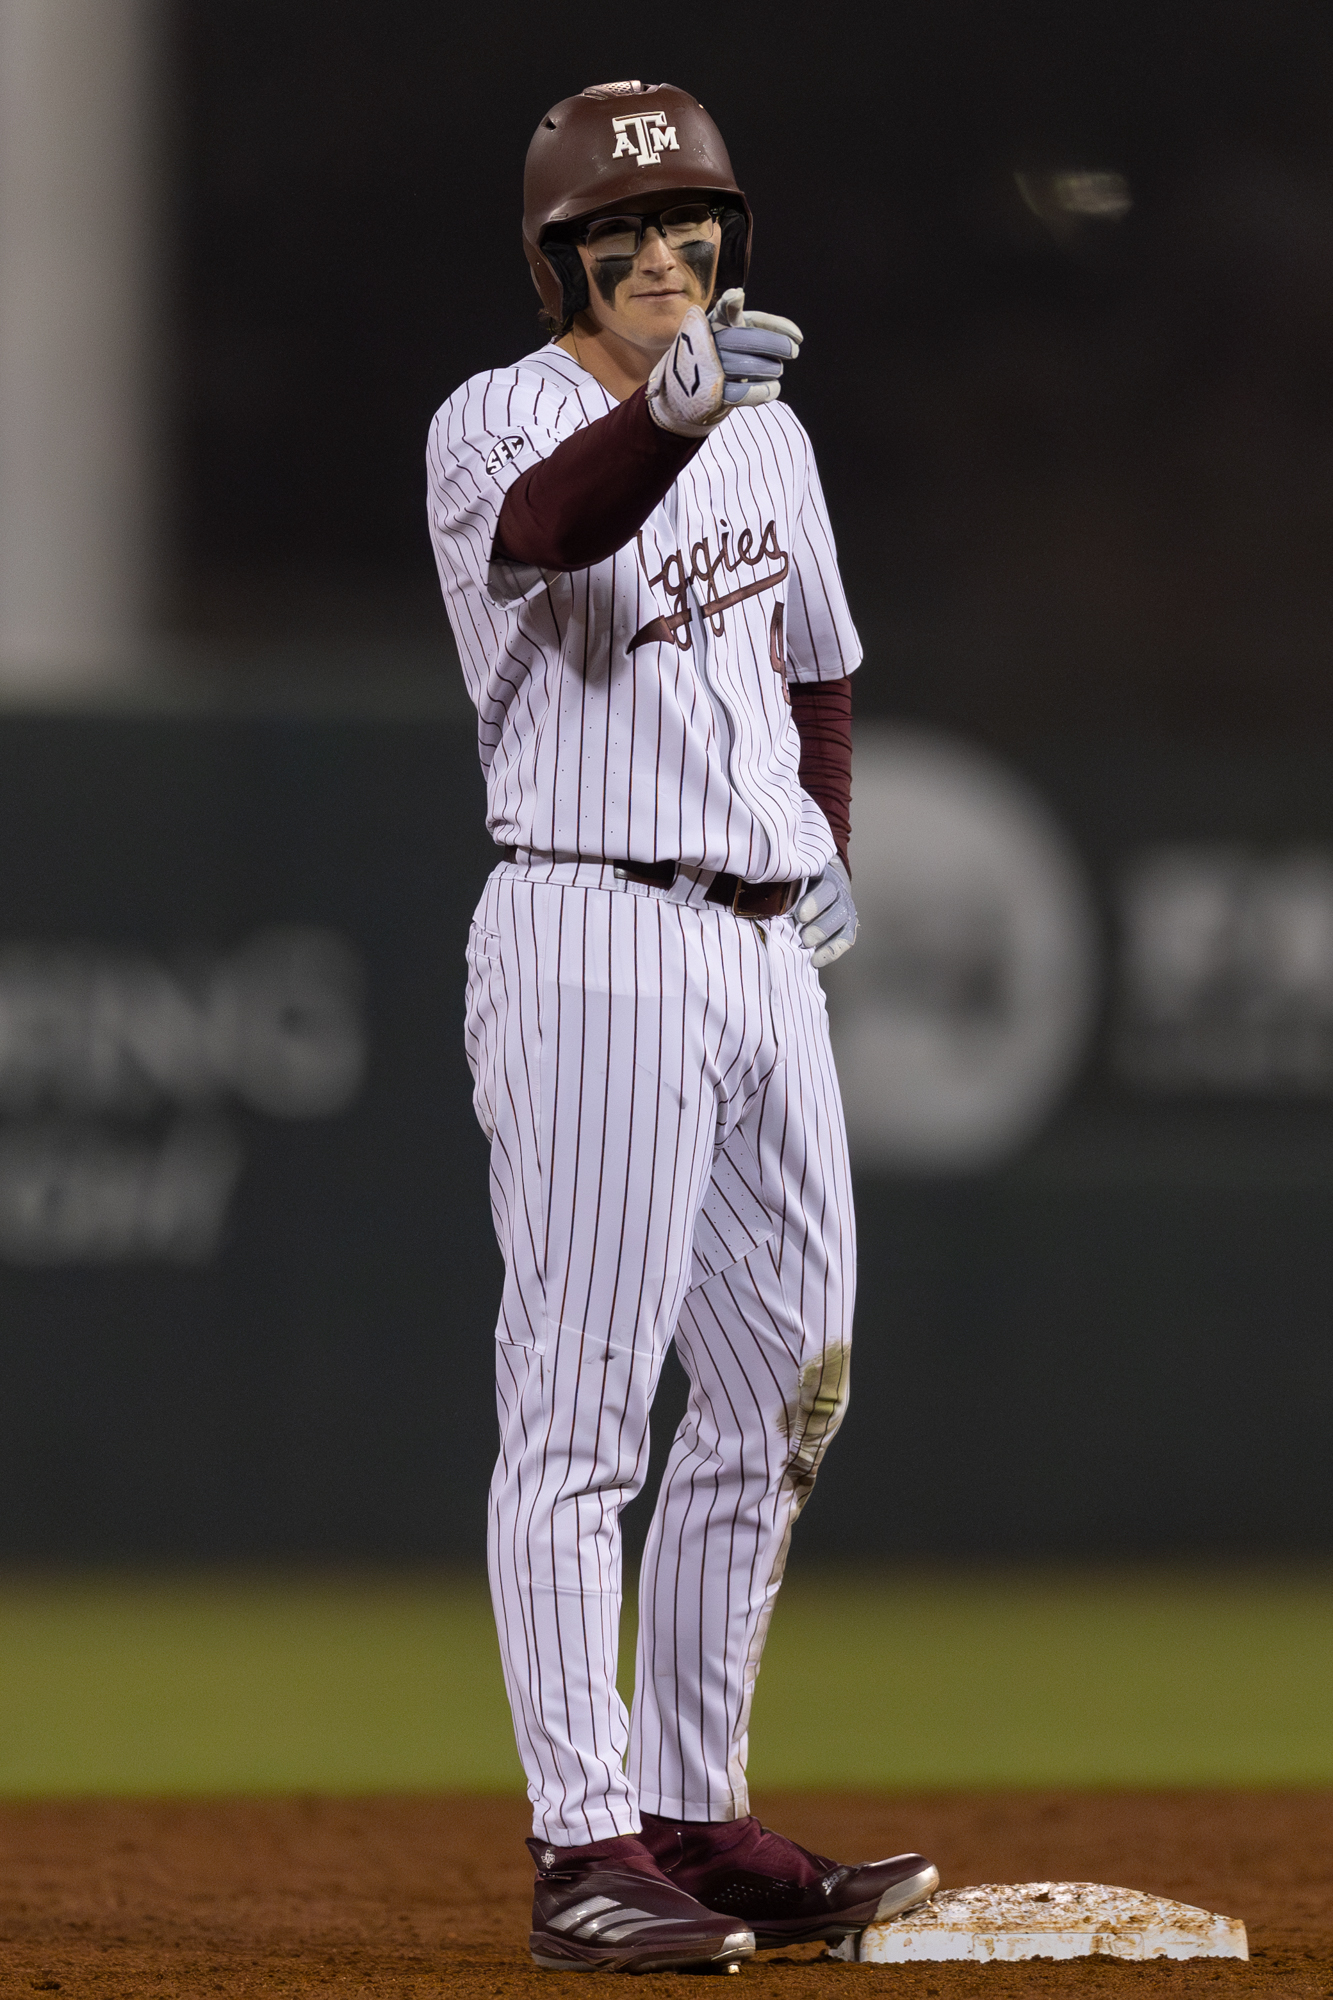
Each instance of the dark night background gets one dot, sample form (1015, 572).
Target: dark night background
(1078, 483)
(1081, 475)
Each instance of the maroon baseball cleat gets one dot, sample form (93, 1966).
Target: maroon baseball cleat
(786, 1894)
(608, 1907)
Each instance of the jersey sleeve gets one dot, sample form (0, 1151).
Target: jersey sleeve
(488, 434)
(822, 641)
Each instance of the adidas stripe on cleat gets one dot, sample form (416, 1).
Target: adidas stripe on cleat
(608, 1907)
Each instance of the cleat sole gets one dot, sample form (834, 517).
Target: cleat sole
(554, 1955)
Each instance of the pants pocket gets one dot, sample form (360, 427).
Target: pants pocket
(483, 1021)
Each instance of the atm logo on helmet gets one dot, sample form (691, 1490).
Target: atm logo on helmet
(645, 136)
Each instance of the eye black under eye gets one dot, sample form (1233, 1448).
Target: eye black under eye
(610, 272)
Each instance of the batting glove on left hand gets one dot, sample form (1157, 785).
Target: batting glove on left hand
(827, 915)
(752, 348)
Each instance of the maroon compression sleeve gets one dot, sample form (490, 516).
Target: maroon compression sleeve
(595, 490)
(822, 712)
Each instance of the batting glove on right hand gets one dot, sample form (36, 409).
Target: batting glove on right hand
(827, 915)
(752, 347)
(685, 390)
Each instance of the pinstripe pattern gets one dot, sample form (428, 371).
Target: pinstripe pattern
(667, 1150)
(667, 1157)
(591, 746)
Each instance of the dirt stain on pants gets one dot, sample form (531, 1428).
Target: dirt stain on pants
(810, 1421)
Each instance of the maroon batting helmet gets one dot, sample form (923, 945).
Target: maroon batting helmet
(606, 149)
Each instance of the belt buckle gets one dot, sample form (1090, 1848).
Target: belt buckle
(741, 886)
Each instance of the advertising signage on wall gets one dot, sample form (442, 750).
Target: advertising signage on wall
(968, 1006)
(1225, 978)
(118, 1071)
(247, 1278)
(1013, 958)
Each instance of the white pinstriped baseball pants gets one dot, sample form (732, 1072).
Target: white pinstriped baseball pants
(667, 1158)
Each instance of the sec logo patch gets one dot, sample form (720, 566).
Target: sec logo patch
(504, 452)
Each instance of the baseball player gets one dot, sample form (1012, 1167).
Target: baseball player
(641, 578)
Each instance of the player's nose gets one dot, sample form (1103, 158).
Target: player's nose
(654, 256)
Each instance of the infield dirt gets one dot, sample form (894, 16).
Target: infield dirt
(414, 1896)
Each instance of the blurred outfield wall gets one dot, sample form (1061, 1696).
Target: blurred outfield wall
(247, 1279)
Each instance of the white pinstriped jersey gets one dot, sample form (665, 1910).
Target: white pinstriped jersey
(638, 709)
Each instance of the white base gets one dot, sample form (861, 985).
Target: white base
(1011, 1920)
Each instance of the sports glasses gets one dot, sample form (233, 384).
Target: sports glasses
(621, 235)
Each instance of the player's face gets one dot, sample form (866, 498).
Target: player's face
(644, 296)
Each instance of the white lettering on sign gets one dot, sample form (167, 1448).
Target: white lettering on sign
(276, 1024)
(80, 1193)
(1227, 970)
(645, 136)
(96, 1042)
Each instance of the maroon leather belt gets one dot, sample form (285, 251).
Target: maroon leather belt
(748, 899)
(759, 900)
(753, 899)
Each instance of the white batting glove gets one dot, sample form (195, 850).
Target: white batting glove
(827, 915)
(685, 390)
(752, 347)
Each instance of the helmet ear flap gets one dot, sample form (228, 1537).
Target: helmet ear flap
(733, 256)
(567, 264)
